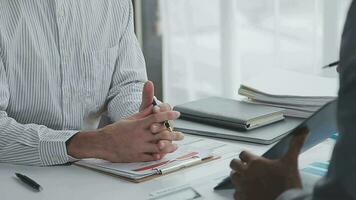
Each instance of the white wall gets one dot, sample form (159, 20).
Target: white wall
(210, 46)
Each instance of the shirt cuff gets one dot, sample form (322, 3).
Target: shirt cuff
(293, 194)
(52, 146)
(72, 159)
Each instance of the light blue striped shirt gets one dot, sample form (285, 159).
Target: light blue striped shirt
(63, 63)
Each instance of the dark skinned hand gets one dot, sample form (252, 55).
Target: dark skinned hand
(258, 178)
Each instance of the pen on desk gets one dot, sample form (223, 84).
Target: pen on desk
(28, 181)
(332, 64)
(166, 123)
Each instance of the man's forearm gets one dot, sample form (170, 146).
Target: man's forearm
(86, 145)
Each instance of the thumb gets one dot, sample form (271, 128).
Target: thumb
(143, 113)
(296, 145)
(147, 95)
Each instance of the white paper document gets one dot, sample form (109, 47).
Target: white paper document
(185, 156)
(300, 95)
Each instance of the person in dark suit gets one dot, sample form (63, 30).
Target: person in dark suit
(260, 178)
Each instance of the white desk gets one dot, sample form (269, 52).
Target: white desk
(73, 182)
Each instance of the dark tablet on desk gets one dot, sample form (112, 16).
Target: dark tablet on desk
(321, 125)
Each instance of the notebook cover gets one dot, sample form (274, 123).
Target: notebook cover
(266, 135)
(224, 112)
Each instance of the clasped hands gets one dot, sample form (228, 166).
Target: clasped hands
(138, 138)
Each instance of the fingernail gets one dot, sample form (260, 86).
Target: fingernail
(180, 136)
(176, 113)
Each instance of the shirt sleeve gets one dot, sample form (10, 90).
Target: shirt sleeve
(130, 72)
(28, 144)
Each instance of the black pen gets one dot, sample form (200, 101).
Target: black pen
(28, 181)
(331, 64)
(166, 123)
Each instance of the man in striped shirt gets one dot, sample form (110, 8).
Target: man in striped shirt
(63, 64)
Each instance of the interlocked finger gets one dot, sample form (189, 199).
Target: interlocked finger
(157, 127)
(161, 117)
(167, 146)
(170, 136)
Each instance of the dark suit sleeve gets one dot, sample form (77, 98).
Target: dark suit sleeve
(340, 181)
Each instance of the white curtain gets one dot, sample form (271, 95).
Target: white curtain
(211, 46)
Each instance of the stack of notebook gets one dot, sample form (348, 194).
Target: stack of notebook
(229, 113)
(300, 95)
(231, 119)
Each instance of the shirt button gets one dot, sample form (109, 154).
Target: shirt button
(61, 13)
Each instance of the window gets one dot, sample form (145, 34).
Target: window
(209, 47)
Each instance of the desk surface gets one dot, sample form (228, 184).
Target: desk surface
(66, 182)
